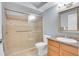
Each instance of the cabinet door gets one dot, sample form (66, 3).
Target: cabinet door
(64, 53)
(53, 43)
(53, 48)
(78, 51)
(52, 53)
(68, 50)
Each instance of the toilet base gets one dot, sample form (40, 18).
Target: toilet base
(42, 52)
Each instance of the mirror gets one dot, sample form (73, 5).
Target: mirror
(69, 20)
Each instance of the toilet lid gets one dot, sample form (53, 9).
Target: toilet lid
(41, 44)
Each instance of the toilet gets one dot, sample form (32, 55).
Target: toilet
(42, 46)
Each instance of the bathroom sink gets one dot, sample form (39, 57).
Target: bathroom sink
(66, 40)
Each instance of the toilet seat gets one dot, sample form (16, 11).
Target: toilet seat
(40, 44)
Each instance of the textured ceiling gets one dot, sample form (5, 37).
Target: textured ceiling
(38, 4)
(32, 7)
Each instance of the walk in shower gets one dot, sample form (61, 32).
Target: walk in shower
(22, 31)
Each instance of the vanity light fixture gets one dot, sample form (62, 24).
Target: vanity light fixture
(65, 4)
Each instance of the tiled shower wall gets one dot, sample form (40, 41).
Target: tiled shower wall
(21, 33)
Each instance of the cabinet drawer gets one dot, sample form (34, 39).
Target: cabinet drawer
(69, 49)
(53, 43)
(52, 53)
(64, 53)
(53, 48)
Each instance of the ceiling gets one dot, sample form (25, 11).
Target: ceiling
(39, 6)
(29, 7)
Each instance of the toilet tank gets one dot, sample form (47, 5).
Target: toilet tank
(45, 38)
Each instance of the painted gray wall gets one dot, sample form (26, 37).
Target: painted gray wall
(0, 21)
(50, 18)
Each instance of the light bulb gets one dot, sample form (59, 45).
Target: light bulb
(31, 17)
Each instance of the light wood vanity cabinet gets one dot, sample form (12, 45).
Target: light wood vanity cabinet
(67, 50)
(60, 49)
(53, 48)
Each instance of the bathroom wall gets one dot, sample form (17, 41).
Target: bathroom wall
(25, 40)
(1, 44)
(22, 33)
(50, 22)
(0, 20)
(50, 18)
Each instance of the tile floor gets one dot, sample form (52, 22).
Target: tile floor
(31, 52)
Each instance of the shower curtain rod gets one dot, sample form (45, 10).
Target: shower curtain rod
(15, 11)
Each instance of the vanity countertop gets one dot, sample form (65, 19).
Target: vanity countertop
(72, 44)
